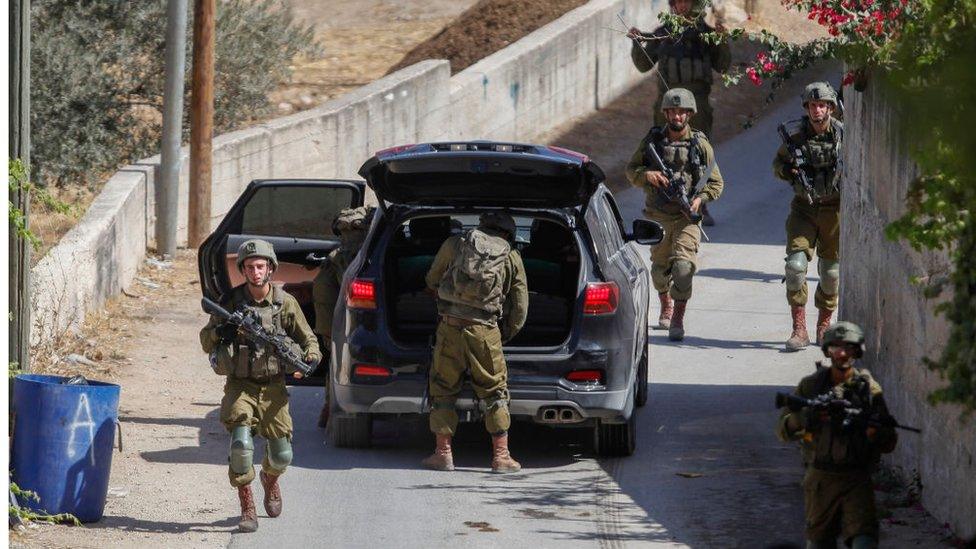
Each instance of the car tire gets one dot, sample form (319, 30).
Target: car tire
(348, 431)
(641, 390)
(616, 439)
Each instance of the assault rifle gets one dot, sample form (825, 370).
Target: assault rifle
(675, 190)
(250, 327)
(838, 408)
(799, 163)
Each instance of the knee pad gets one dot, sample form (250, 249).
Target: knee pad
(796, 270)
(682, 272)
(241, 450)
(279, 452)
(829, 270)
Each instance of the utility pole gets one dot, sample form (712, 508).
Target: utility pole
(19, 147)
(201, 121)
(167, 190)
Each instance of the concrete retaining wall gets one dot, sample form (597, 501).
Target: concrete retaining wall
(567, 68)
(900, 323)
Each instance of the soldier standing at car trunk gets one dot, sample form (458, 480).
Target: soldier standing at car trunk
(350, 226)
(255, 398)
(689, 155)
(814, 220)
(482, 299)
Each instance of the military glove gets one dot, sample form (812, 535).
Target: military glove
(227, 332)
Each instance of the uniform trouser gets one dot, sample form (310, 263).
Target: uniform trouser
(702, 119)
(810, 228)
(839, 504)
(680, 244)
(476, 349)
(262, 407)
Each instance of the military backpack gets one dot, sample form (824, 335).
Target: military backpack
(476, 276)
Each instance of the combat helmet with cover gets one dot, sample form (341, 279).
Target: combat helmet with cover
(844, 332)
(819, 91)
(476, 277)
(256, 248)
(679, 98)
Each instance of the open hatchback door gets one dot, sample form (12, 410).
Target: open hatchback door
(482, 173)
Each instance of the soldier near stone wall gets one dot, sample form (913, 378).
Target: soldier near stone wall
(255, 398)
(482, 299)
(840, 452)
(689, 155)
(814, 221)
(683, 61)
(350, 226)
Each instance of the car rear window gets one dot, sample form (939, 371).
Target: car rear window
(296, 211)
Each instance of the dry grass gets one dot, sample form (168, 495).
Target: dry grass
(50, 225)
(104, 336)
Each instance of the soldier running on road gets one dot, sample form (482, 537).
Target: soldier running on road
(840, 454)
(350, 226)
(689, 155)
(812, 153)
(683, 61)
(482, 298)
(255, 399)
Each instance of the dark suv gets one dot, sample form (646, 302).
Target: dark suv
(580, 361)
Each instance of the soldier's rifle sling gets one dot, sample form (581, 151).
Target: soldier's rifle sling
(256, 333)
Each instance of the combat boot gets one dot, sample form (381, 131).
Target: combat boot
(667, 309)
(677, 330)
(442, 459)
(823, 322)
(272, 494)
(501, 460)
(249, 515)
(799, 339)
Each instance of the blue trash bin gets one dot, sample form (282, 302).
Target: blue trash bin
(63, 441)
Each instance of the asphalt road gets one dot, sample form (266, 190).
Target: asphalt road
(708, 471)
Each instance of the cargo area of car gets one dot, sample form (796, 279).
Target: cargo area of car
(550, 254)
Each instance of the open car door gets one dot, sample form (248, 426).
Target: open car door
(295, 216)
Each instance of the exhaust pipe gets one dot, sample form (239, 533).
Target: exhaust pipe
(560, 414)
(550, 415)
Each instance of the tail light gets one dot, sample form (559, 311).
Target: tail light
(371, 374)
(585, 376)
(601, 298)
(361, 294)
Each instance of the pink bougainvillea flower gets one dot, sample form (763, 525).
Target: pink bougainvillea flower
(754, 76)
(848, 79)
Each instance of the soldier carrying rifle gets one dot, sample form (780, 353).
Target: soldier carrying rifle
(809, 160)
(842, 432)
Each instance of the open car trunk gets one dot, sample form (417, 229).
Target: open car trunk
(550, 254)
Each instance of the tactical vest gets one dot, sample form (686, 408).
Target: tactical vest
(476, 275)
(837, 447)
(245, 359)
(822, 154)
(685, 157)
(684, 60)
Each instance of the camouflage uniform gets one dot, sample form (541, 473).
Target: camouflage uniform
(685, 61)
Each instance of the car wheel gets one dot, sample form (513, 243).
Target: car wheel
(640, 392)
(616, 439)
(348, 431)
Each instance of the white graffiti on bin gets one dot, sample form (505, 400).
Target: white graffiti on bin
(83, 419)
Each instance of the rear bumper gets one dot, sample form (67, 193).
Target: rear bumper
(528, 402)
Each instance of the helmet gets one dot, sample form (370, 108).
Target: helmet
(498, 221)
(819, 91)
(353, 220)
(679, 98)
(844, 332)
(256, 248)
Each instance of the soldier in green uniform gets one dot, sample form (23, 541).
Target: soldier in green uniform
(482, 298)
(255, 399)
(840, 458)
(814, 220)
(689, 154)
(350, 226)
(683, 61)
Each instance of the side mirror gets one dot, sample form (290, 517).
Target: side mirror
(647, 232)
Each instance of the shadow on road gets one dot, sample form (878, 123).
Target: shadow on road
(129, 524)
